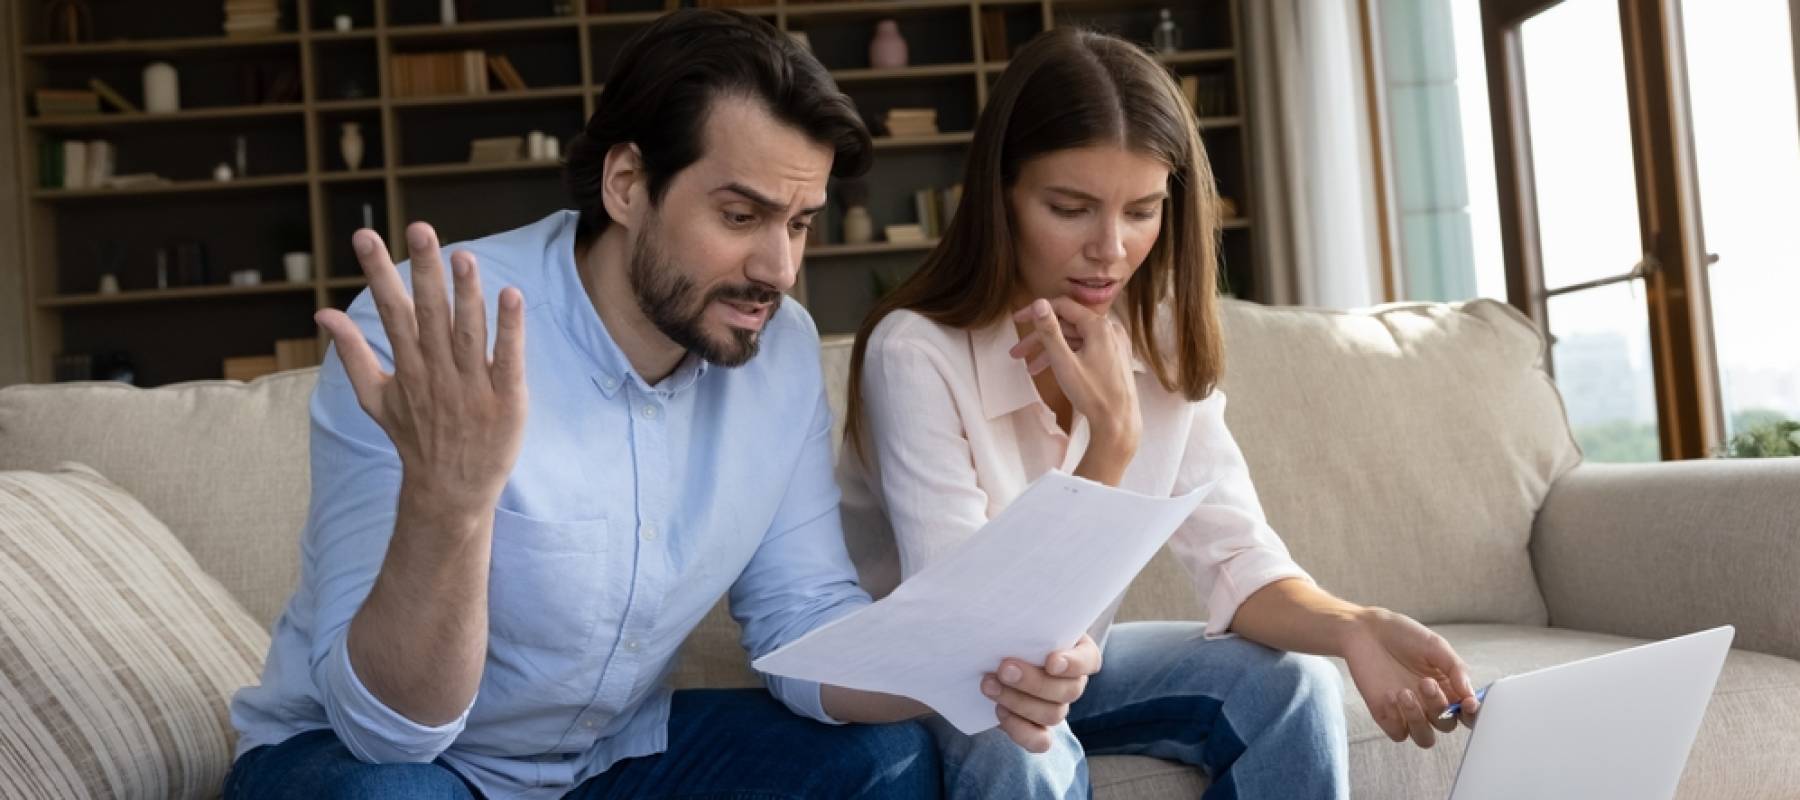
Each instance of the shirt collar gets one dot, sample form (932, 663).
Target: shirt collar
(1003, 381)
(578, 318)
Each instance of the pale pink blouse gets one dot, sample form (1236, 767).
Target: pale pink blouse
(954, 429)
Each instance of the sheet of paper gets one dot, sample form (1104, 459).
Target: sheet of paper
(1029, 582)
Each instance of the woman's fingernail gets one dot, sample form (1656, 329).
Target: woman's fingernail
(1040, 307)
(989, 687)
(364, 245)
(1058, 664)
(1011, 674)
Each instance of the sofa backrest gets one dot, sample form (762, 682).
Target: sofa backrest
(223, 464)
(1402, 453)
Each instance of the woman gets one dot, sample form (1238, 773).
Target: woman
(1039, 335)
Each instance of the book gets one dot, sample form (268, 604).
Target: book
(950, 198)
(100, 158)
(296, 353)
(75, 165)
(904, 233)
(496, 149)
(993, 35)
(55, 102)
(111, 95)
(508, 75)
(248, 368)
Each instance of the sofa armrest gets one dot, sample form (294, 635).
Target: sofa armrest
(1659, 550)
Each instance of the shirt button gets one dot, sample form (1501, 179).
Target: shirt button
(631, 645)
(649, 533)
(588, 723)
(649, 412)
(611, 384)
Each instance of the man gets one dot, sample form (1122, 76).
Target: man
(503, 553)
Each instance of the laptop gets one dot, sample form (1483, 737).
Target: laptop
(1612, 727)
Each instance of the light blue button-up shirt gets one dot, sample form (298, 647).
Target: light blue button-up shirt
(631, 509)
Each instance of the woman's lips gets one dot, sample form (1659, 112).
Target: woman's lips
(1094, 291)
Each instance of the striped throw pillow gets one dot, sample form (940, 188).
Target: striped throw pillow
(118, 655)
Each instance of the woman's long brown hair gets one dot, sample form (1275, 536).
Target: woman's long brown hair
(1071, 88)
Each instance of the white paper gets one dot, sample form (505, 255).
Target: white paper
(1029, 582)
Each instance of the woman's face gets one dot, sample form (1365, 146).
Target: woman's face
(1085, 218)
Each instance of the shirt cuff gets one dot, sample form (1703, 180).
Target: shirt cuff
(372, 731)
(1240, 577)
(801, 697)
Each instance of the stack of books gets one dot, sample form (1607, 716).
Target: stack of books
(251, 17)
(61, 102)
(496, 149)
(436, 74)
(935, 207)
(75, 165)
(911, 122)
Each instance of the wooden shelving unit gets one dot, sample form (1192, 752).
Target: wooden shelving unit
(299, 195)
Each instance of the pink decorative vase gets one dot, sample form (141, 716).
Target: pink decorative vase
(888, 49)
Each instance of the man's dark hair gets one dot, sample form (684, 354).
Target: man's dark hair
(664, 80)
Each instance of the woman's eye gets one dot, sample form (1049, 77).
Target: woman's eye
(739, 220)
(1066, 212)
(802, 226)
(1145, 215)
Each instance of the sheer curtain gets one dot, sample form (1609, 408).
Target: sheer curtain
(1314, 167)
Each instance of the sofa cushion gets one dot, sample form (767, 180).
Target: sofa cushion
(1402, 453)
(223, 463)
(117, 652)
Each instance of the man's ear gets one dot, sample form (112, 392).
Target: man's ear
(624, 188)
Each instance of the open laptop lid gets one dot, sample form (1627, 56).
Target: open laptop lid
(1613, 726)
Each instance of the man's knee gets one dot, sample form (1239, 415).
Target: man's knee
(397, 781)
(317, 766)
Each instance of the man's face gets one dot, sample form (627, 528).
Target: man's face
(710, 262)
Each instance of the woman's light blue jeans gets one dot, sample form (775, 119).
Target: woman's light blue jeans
(1261, 723)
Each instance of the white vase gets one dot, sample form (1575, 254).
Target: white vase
(350, 145)
(162, 89)
(859, 228)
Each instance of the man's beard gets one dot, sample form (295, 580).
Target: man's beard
(669, 299)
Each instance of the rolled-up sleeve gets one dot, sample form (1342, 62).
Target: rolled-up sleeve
(800, 576)
(1226, 544)
(355, 490)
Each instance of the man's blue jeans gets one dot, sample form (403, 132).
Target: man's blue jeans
(736, 743)
(1261, 723)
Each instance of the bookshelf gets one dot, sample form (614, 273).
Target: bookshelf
(289, 93)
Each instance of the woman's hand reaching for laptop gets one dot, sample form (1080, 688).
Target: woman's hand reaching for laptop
(1408, 676)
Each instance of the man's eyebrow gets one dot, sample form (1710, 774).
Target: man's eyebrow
(1081, 195)
(767, 203)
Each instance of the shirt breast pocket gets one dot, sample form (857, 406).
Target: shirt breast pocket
(546, 580)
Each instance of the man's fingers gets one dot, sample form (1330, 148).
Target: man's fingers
(391, 300)
(509, 344)
(431, 300)
(469, 348)
(359, 359)
(1027, 734)
(1035, 709)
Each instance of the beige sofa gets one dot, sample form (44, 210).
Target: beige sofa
(1415, 457)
